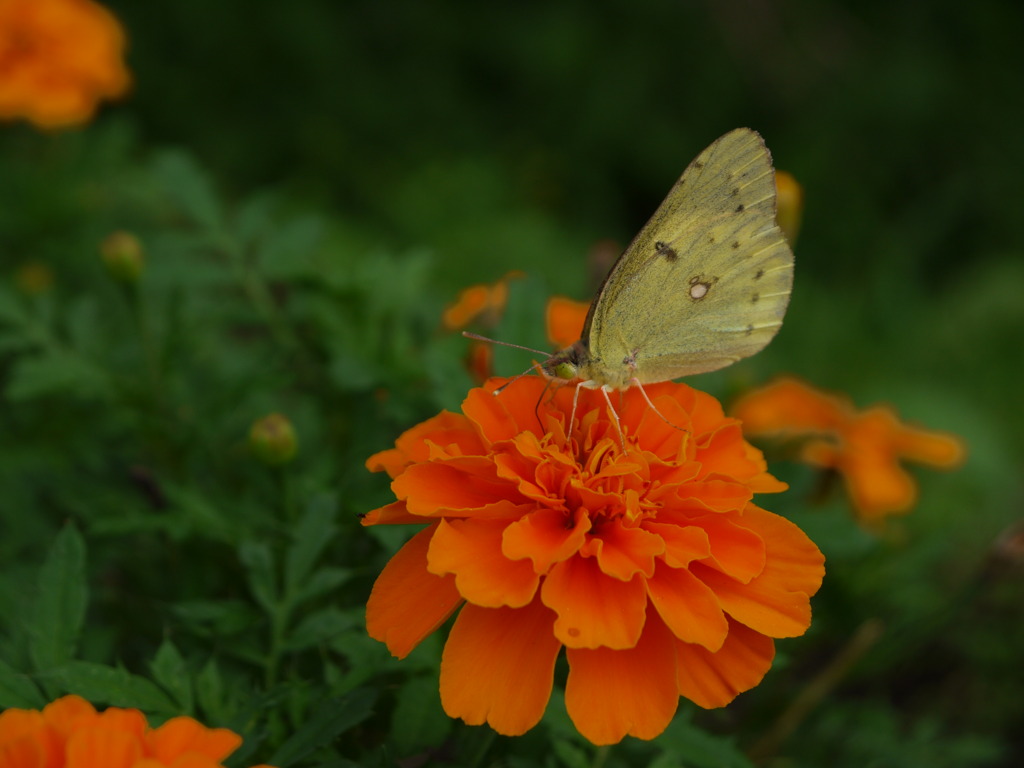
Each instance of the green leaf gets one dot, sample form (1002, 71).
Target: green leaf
(259, 562)
(210, 691)
(332, 717)
(170, 671)
(55, 373)
(190, 189)
(117, 687)
(314, 532)
(18, 690)
(323, 581)
(418, 722)
(323, 626)
(61, 599)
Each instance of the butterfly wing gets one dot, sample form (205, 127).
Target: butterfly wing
(705, 283)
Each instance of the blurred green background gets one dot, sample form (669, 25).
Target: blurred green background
(313, 181)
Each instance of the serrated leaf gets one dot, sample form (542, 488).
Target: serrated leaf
(54, 373)
(170, 671)
(117, 687)
(329, 719)
(59, 609)
(259, 563)
(313, 533)
(18, 690)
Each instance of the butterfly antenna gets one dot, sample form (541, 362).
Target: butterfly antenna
(501, 389)
(478, 337)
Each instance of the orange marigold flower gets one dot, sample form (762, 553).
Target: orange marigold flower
(58, 58)
(565, 319)
(651, 565)
(70, 732)
(865, 447)
(482, 304)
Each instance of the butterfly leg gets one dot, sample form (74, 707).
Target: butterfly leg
(615, 418)
(643, 392)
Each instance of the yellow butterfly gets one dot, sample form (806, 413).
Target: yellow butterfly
(704, 284)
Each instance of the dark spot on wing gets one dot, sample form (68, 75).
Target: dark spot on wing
(754, 298)
(698, 164)
(739, 208)
(759, 275)
(750, 330)
(664, 249)
(735, 244)
(735, 191)
(711, 239)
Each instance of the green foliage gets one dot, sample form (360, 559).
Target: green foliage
(349, 168)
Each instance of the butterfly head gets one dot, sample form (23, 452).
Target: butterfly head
(566, 364)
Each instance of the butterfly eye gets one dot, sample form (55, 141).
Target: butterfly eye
(565, 370)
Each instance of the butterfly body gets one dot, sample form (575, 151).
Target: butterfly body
(705, 283)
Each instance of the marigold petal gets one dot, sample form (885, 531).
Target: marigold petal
(610, 694)
(395, 513)
(67, 713)
(128, 720)
(737, 551)
(182, 735)
(777, 602)
(102, 748)
(789, 406)
(472, 551)
(564, 319)
(714, 495)
(877, 484)
(25, 752)
(544, 538)
(937, 449)
(457, 486)
(17, 723)
(723, 452)
(713, 679)
(594, 609)
(413, 445)
(504, 416)
(683, 543)
(688, 607)
(622, 551)
(471, 302)
(408, 602)
(498, 666)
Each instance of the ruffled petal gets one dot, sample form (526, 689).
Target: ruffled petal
(623, 551)
(498, 666)
(611, 694)
(777, 602)
(544, 538)
(594, 609)
(408, 602)
(181, 735)
(471, 550)
(713, 679)
(459, 486)
(395, 513)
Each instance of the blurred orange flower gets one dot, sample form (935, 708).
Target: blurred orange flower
(865, 447)
(482, 304)
(58, 58)
(70, 732)
(651, 565)
(565, 320)
(789, 204)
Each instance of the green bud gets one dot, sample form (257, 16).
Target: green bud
(122, 253)
(273, 439)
